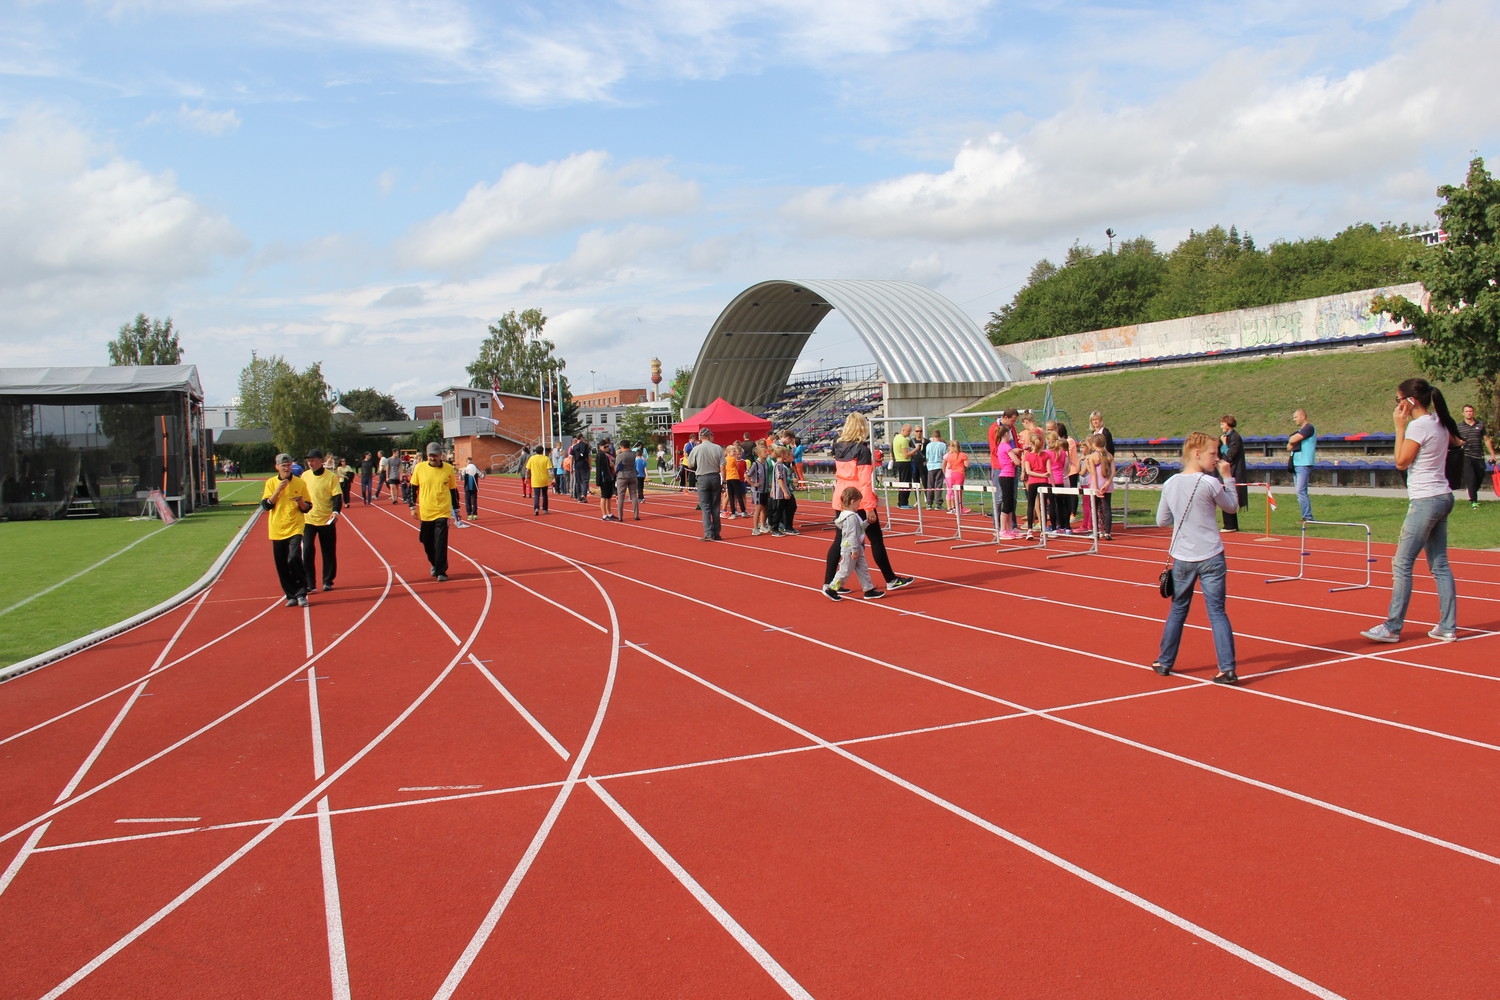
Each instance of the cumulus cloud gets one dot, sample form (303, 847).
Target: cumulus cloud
(1251, 120)
(84, 226)
(532, 199)
(200, 119)
(609, 257)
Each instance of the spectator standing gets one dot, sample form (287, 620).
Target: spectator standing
(367, 479)
(1188, 501)
(434, 498)
(319, 529)
(901, 456)
(604, 479)
(285, 496)
(628, 480)
(1302, 445)
(1232, 450)
(345, 472)
(1424, 432)
(1476, 438)
(472, 475)
(1096, 426)
(539, 469)
(579, 473)
(919, 461)
(1003, 451)
(937, 454)
(704, 463)
(381, 470)
(559, 468)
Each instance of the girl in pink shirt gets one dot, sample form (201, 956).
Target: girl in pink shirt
(1038, 464)
(1057, 506)
(955, 469)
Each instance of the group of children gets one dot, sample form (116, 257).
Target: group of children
(768, 476)
(1047, 457)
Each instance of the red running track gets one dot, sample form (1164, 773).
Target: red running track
(608, 760)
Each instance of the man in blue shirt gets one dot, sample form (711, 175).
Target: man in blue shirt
(1303, 446)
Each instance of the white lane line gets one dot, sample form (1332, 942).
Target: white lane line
(128, 684)
(441, 624)
(541, 730)
(161, 819)
(497, 909)
(736, 930)
(83, 572)
(318, 790)
(338, 957)
(543, 597)
(307, 629)
(1098, 881)
(317, 722)
(88, 762)
(434, 788)
(172, 642)
(199, 732)
(27, 849)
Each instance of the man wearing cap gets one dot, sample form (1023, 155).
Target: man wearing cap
(434, 489)
(319, 528)
(285, 496)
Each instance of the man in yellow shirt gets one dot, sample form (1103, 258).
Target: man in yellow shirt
(326, 494)
(539, 471)
(285, 496)
(434, 487)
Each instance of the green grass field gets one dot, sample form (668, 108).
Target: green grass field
(157, 564)
(1343, 392)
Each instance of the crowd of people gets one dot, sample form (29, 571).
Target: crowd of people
(759, 479)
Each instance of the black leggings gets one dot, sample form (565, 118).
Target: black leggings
(877, 552)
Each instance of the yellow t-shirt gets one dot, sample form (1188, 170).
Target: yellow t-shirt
(321, 490)
(285, 520)
(540, 468)
(433, 483)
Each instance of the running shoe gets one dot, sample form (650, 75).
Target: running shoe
(1227, 677)
(832, 595)
(898, 583)
(1443, 635)
(442, 578)
(874, 595)
(302, 602)
(1381, 634)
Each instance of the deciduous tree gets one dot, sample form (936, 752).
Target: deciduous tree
(1460, 326)
(370, 404)
(146, 341)
(257, 380)
(301, 411)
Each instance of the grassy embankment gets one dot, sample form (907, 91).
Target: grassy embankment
(39, 611)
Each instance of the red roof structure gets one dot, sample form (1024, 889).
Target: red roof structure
(728, 422)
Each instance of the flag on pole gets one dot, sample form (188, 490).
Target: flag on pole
(1270, 498)
(1049, 411)
(495, 387)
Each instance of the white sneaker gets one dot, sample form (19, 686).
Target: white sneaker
(1438, 633)
(1381, 634)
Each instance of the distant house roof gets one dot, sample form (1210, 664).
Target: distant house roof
(122, 380)
(244, 435)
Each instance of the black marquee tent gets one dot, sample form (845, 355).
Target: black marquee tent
(97, 441)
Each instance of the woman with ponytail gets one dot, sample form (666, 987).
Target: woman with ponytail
(1424, 432)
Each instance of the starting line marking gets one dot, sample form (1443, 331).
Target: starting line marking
(163, 819)
(436, 788)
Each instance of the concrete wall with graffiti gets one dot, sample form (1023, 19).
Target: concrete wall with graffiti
(1308, 322)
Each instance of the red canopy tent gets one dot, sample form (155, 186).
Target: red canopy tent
(728, 422)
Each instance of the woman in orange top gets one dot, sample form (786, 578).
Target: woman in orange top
(854, 465)
(734, 482)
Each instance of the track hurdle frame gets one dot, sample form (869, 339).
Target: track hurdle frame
(1093, 534)
(958, 519)
(1303, 553)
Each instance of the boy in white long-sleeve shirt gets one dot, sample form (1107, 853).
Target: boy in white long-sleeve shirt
(851, 526)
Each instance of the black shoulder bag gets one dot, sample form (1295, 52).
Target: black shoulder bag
(1164, 582)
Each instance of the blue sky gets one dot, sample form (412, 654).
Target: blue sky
(368, 184)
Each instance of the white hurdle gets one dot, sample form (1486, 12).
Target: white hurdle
(1304, 553)
(1093, 533)
(958, 519)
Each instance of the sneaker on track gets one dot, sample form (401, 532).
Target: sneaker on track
(874, 595)
(832, 595)
(1381, 634)
(1438, 633)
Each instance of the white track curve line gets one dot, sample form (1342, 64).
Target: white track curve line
(753, 948)
(199, 732)
(129, 684)
(1098, 881)
(317, 791)
(27, 849)
(531, 720)
(62, 583)
(497, 909)
(895, 609)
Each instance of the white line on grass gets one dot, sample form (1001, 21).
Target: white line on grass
(83, 572)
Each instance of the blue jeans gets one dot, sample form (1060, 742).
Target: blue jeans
(710, 492)
(1304, 473)
(1425, 529)
(1212, 573)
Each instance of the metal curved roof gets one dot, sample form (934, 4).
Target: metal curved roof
(915, 334)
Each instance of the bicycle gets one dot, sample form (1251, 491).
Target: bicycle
(1138, 471)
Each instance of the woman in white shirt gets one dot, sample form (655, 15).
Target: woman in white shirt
(1424, 430)
(1191, 501)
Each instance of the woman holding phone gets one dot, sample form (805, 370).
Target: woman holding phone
(1424, 431)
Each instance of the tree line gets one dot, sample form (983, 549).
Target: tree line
(1210, 271)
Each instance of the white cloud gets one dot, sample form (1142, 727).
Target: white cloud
(609, 257)
(87, 230)
(1251, 121)
(203, 120)
(530, 199)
